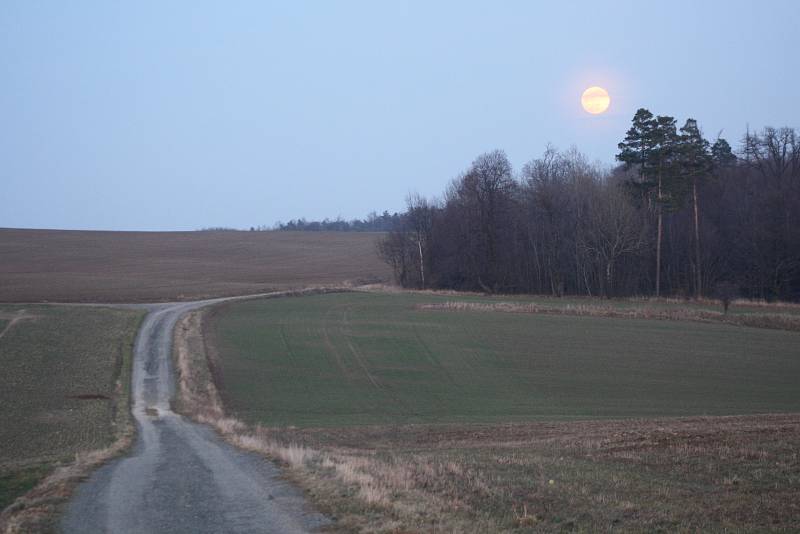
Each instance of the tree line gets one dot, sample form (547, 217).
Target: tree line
(679, 216)
(373, 222)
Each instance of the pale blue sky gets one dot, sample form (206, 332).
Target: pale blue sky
(170, 115)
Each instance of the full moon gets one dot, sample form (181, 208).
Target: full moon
(595, 100)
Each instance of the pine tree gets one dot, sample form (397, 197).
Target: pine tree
(635, 150)
(651, 144)
(722, 155)
(695, 164)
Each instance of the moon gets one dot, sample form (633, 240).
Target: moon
(595, 100)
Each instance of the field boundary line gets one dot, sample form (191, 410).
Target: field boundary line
(19, 316)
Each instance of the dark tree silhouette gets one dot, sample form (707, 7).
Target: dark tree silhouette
(695, 165)
(562, 226)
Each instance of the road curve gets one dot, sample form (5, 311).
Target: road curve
(180, 476)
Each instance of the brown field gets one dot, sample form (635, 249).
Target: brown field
(83, 266)
(689, 474)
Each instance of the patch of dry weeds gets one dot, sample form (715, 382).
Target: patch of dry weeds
(757, 320)
(35, 511)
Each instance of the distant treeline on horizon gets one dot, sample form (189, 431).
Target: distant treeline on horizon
(371, 223)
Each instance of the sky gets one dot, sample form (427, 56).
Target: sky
(181, 115)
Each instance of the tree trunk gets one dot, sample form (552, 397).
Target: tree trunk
(421, 264)
(658, 240)
(698, 287)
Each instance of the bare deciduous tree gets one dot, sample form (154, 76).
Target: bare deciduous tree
(564, 226)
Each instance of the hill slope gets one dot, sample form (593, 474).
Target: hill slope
(86, 266)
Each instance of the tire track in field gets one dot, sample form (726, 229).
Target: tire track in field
(471, 360)
(359, 358)
(331, 347)
(363, 401)
(347, 333)
(430, 356)
(19, 316)
(289, 350)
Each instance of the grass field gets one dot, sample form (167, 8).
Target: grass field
(66, 373)
(399, 418)
(79, 266)
(358, 358)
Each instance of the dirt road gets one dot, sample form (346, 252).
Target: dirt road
(180, 476)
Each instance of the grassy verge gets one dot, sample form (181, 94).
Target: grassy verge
(16, 482)
(469, 469)
(66, 399)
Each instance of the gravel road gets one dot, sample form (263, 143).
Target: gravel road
(180, 476)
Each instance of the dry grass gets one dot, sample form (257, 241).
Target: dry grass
(758, 320)
(747, 305)
(692, 474)
(80, 266)
(35, 511)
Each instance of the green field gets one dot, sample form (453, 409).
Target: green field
(59, 395)
(359, 358)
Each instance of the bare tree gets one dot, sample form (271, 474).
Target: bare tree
(485, 193)
(569, 227)
(616, 229)
(774, 154)
(419, 214)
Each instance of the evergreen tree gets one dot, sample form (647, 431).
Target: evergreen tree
(636, 148)
(695, 164)
(651, 144)
(722, 155)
